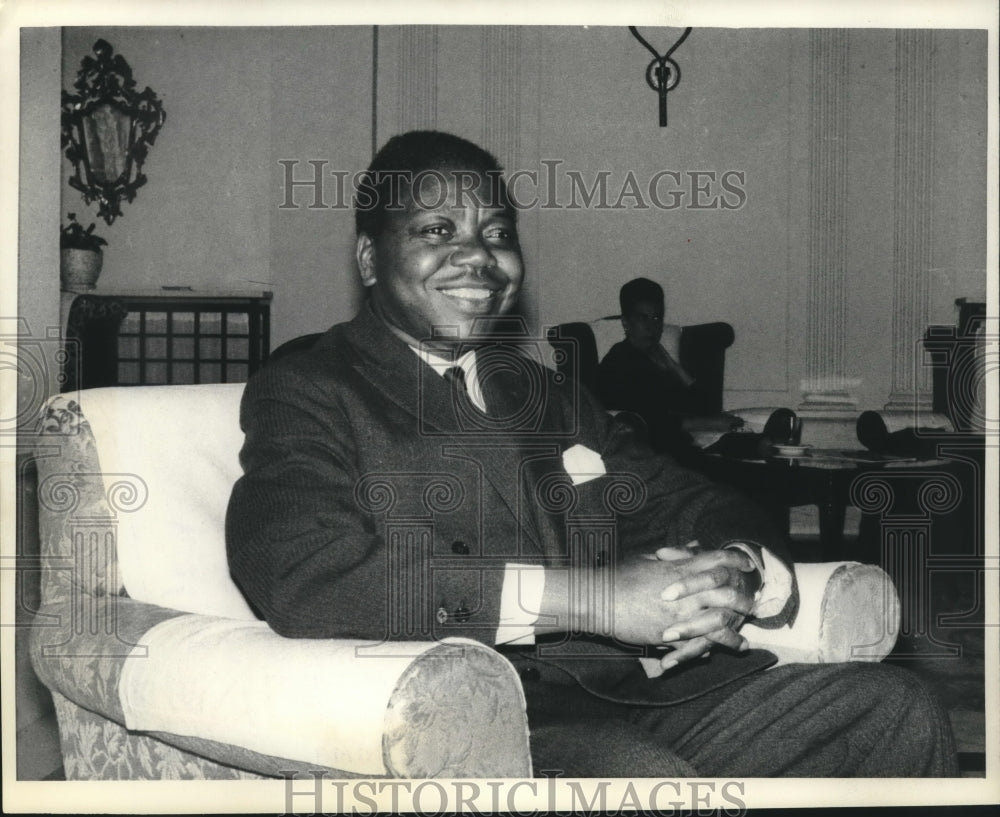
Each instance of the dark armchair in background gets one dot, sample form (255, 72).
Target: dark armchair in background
(956, 356)
(699, 348)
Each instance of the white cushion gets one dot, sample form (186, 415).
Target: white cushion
(181, 445)
(847, 612)
(215, 679)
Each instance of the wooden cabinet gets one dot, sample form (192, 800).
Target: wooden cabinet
(132, 339)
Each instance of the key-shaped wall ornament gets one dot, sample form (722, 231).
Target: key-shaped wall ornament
(663, 73)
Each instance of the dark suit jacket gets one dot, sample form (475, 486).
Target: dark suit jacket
(377, 503)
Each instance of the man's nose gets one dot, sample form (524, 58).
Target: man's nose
(473, 252)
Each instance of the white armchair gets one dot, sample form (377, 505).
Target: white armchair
(159, 669)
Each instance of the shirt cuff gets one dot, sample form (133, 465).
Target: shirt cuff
(520, 603)
(776, 581)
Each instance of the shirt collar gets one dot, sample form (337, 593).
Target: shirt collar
(466, 362)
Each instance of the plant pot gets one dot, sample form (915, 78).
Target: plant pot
(80, 269)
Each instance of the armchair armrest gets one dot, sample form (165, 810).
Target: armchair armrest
(405, 709)
(847, 612)
(703, 355)
(79, 646)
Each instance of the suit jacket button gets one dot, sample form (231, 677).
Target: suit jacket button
(460, 548)
(461, 614)
(530, 674)
(442, 615)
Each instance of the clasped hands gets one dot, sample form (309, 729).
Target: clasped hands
(685, 599)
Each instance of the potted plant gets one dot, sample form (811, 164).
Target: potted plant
(80, 255)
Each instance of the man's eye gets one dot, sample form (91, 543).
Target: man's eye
(501, 234)
(436, 229)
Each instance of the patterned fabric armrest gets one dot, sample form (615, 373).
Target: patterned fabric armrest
(79, 647)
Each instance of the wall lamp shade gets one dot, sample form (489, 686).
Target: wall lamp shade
(107, 130)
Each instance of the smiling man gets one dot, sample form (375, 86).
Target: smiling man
(447, 256)
(422, 410)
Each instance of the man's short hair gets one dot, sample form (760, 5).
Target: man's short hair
(384, 184)
(638, 290)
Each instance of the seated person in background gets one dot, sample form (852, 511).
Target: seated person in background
(639, 375)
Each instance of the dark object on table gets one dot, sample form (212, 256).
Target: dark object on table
(908, 442)
(783, 427)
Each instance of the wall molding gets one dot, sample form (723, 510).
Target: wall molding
(825, 384)
(913, 186)
(417, 78)
(501, 88)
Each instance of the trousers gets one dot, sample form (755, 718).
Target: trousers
(797, 720)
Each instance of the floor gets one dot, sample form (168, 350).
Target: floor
(950, 657)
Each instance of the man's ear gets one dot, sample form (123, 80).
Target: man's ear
(365, 254)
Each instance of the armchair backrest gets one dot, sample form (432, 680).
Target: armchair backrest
(957, 357)
(699, 348)
(152, 467)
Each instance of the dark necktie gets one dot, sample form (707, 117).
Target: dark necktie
(456, 377)
(459, 388)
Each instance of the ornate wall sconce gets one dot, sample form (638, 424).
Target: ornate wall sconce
(663, 73)
(107, 129)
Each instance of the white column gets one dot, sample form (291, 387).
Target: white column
(825, 385)
(406, 89)
(417, 78)
(501, 89)
(913, 183)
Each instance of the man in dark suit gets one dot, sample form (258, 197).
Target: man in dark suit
(414, 474)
